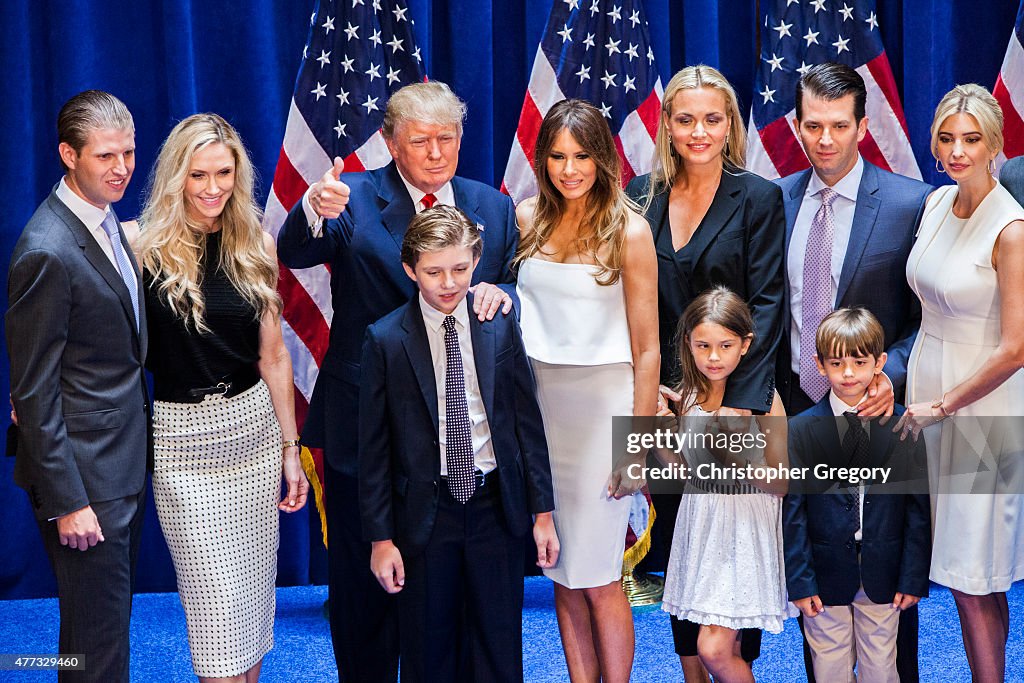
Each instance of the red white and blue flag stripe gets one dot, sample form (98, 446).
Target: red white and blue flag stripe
(601, 52)
(798, 34)
(1009, 91)
(357, 54)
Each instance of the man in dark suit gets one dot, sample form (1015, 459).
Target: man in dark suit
(452, 464)
(356, 227)
(76, 338)
(861, 220)
(1011, 176)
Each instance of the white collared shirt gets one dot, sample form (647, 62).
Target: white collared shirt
(839, 407)
(843, 207)
(92, 218)
(445, 195)
(433, 320)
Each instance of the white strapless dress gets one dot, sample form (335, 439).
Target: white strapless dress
(577, 338)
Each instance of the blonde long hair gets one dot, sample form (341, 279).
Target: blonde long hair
(666, 158)
(172, 245)
(607, 208)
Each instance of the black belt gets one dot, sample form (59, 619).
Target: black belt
(481, 478)
(226, 386)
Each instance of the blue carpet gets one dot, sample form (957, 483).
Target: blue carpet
(302, 649)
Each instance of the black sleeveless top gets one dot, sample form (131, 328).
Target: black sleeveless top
(182, 358)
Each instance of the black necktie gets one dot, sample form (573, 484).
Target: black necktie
(856, 449)
(458, 433)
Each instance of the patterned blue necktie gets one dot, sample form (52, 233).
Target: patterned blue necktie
(458, 433)
(123, 264)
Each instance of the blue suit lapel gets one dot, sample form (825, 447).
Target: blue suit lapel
(791, 203)
(469, 205)
(417, 348)
(864, 219)
(397, 209)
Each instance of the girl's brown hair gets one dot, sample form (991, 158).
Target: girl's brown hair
(719, 305)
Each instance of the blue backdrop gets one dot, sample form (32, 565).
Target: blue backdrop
(170, 58)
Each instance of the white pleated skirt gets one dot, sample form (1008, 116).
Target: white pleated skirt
(216, 482)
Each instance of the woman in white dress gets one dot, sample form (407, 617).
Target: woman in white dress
(967, 267)
(588, 287)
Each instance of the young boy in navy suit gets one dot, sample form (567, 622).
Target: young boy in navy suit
(452, 464)
(855, 556)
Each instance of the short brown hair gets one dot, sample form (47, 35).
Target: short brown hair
(849, 332)
(437, 228)
(88, 111)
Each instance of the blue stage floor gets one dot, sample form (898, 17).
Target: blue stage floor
(302, 650)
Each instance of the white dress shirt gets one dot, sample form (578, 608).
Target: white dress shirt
(843, 207)
(445, 195)
(90, 216)
(839, 407)
(433, 319)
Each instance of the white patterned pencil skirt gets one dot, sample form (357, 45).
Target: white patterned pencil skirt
(216, 482)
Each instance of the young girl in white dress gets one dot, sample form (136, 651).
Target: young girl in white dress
(726, 569)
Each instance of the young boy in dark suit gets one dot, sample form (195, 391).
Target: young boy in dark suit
(855, 556)
(452, 464)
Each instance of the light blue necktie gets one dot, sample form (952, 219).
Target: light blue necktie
(123, 264)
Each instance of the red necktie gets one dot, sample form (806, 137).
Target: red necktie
(428, 200)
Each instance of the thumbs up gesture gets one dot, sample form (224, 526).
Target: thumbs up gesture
(329, 196)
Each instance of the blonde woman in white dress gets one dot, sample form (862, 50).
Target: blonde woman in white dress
(967, 267)
(588, 287)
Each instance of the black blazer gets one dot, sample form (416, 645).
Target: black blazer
(818, 529)
(77, 379)
(739, 244)
(399, 456)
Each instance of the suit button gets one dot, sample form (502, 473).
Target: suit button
(848, 507)
(849, 545)
(436, 444)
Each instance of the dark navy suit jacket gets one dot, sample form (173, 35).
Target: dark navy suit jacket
(363, 249)
(874, 272)
(399, 456)
(818, 528)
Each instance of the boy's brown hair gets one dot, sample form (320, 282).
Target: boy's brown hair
(849, 332)
(437, 228)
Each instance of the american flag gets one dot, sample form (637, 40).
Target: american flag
(796, 35)
(1009, 91)
(358, 52)
(598, 51)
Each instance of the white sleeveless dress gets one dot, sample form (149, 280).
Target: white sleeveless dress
(726, 566)
(576, 335)
(975, 460)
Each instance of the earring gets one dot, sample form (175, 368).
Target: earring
(938, 166)
(991, 166)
